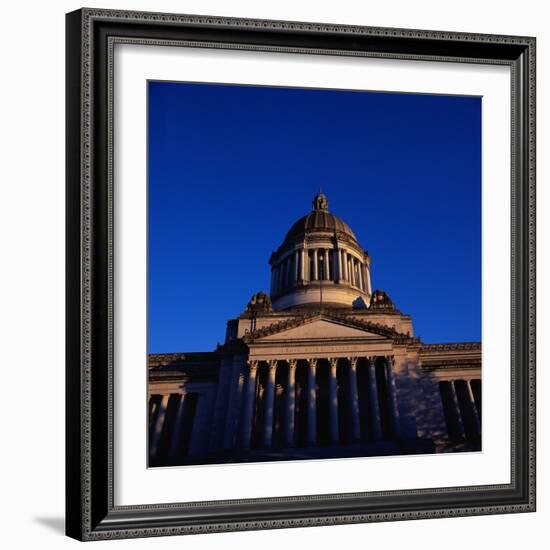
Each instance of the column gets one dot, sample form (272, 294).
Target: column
(476, 424)
(287, 272)
(269, 402)
(280, 272)
(327, 259)
(351, 270)
(311, 402)
(374, 406)
(354, 399)
(392, 392)
(333, 400)
(360, 269)
(456, 410)
(159, 423)
(290, 402)
(176, 436)
(231, 437)
(296, 266)
(475, 385)
(249, 398)
(345, 265)
(153, 413)
(302, 264)
(315, 266)
(274, 280)
(337, 265)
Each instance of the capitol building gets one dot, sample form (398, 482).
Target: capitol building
(321, 367)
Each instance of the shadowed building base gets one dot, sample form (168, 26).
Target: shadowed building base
(416, 446)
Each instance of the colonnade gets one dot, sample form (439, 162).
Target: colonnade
(171, 417)
(318, 401)
(310, 402)
(461, 400)
(316, 264)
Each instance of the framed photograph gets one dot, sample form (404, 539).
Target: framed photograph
(300, 274)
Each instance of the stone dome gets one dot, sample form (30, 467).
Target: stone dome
(318, 220)
(320, 263)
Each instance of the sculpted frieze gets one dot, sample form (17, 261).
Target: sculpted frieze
(326, 350)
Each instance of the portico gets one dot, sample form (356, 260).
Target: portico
(333, 385)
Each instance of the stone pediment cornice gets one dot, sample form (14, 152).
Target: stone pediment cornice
(367, 326)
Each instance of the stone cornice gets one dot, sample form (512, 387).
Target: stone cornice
(311, 237)
(343, 311)
(454, 346)
(165, 357)
(158, 360)
(452, 364)
(376, 328)
(326, 284)
(182, 375)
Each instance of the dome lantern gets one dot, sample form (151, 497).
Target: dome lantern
(320, 202)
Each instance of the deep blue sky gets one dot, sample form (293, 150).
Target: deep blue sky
(231, 168)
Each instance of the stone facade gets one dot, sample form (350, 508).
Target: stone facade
(323, 367)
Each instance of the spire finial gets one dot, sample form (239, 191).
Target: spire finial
(320, 201)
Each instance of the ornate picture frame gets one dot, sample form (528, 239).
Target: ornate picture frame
(91, 511)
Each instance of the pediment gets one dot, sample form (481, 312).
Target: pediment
(320, 329)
